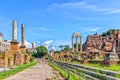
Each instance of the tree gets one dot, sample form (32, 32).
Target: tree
(61, 47)
(109, 32)
(96, 33)
(66, 47)
(41, 51)
(78, 46)
(103, 34)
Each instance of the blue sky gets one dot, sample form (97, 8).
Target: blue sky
(57, 19)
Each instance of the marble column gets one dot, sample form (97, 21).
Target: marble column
(72, 43)
(76, 44)
(80, 43)
(1, 37)
(22, 36)
(14, 33)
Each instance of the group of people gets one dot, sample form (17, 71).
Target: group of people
(42, 60)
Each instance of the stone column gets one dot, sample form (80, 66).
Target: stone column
(80, 43)
(14, 33)
(1, 37)
(76, 44)
(72, 43)
(22, 36)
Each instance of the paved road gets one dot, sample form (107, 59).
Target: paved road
(38, 72)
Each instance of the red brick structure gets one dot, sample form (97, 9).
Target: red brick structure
(103, 43)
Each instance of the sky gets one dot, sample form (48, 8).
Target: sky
(54, 21)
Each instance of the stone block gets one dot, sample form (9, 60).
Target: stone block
(26, 58)
(84, 61)
(18, 60)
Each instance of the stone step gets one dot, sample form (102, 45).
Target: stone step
(87, 77)
(89, 72)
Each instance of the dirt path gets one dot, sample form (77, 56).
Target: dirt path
(38, 72)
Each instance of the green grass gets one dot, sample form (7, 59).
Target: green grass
(64, 73)
(115, 67)
(8, 73)
(112, 67)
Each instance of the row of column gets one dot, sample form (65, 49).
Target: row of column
(76, 44)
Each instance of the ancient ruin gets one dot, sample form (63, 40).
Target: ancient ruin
(10, 52)
(103, 49)
(76, 35)
(110, 58)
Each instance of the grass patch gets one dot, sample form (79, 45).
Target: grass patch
(115, 67)
(8, 73)
(64, 73)
(112, 67)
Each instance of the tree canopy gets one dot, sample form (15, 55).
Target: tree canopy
(109, 32)
(64, 47)
(41, 51)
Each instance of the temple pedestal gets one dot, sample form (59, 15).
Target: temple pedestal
(110, 59)
(14, 45)
(23, 49)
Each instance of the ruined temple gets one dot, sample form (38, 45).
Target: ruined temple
(103, 43)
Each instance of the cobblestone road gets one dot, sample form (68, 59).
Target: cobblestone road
(38, 72)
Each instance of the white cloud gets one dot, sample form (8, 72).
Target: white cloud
(89, 29)
(47, 43)
(53, 48)
(85, 5)
(37, 42)
(57, 43)
(50, 44)
(28, 44)
(80, 18)
(95, 29)
(113, 11)
(43, 29)
(75, 10)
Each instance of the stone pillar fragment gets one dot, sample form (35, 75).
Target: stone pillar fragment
(14, 33)
(22, 47)
(1, 37)
(72, 43)
(14, 44)
(22, 36)
(80, 43)
(76, 44)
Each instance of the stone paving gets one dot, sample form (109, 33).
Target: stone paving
(38, 72)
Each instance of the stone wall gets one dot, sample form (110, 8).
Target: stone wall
(19, 59)
(26, 58)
